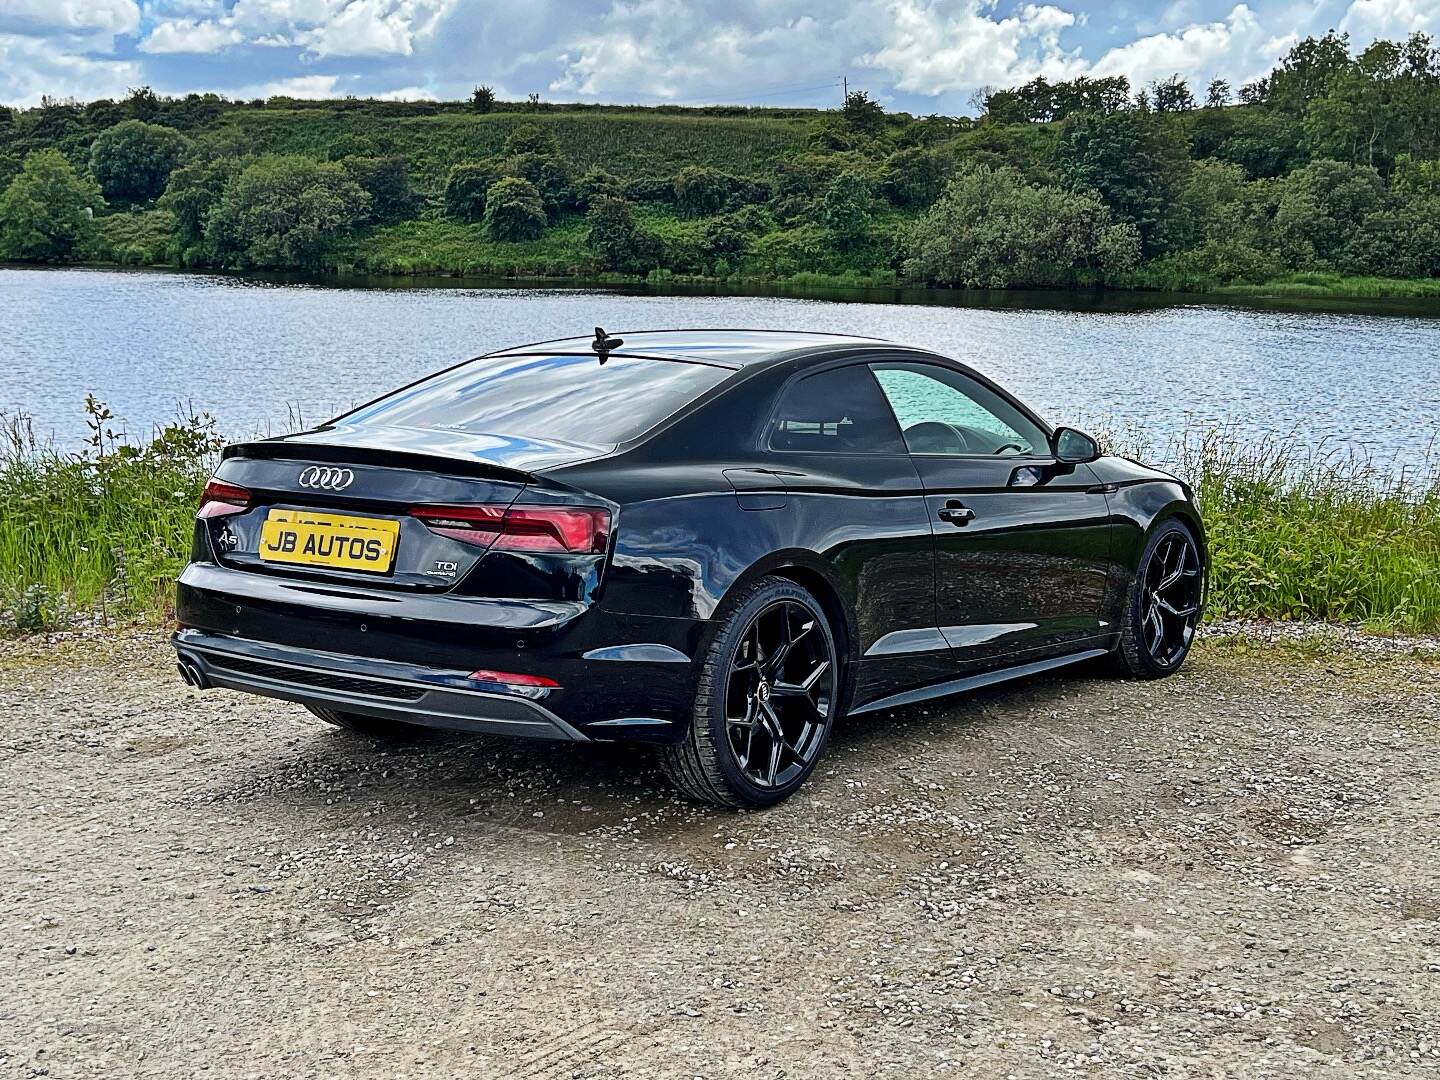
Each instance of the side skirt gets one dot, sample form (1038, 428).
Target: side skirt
(974, 682)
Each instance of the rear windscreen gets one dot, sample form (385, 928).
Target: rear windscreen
(565, 398)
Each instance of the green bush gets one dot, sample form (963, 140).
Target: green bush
(285, 212)
(551, 176)
(46, 214)
(914, 176)
(140, 238)
(387, 181)
(846, 209)
(700, 192)
(466, 188)
(993, 230)
(514, 210)
(616, 241)
(531, 139)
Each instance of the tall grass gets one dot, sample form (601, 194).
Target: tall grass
(103, 530)
(1295, 532)
(1299, 531)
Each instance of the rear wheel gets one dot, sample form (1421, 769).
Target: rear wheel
(374, 727)
(1163, 608)
(765, 703)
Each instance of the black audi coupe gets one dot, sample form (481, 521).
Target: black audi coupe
(714, 541)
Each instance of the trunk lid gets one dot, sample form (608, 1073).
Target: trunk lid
(339, 504)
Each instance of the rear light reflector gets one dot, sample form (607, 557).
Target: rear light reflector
(574, 530)
(220, 498)
(510, 678)
(534, 687)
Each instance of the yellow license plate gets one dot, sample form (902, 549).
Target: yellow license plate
(307, 538)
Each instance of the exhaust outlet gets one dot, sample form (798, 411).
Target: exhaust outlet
(192, 675)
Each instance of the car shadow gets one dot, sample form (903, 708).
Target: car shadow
(471, 786)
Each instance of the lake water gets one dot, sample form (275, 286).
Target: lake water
(255, 353)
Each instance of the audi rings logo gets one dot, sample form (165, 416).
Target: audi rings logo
(324, 478)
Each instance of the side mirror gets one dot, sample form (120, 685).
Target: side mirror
(1073, 447)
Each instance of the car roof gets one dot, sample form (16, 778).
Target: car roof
(721, 348)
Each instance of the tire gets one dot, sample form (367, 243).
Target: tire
(374, 727)
(731, 756)
(1165, 594)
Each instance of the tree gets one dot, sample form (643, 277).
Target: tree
(193, 192)
(846, 210)
(387, 181)
(142, 103)
(615, 239)
(531, 139)
(861, 113)
(482, 99)
(1217, 94)
(1172, 96)
(990, 229)
(1319, 206)
(1134, 162)
(285, 212)
(514, 210)
(46, 214)
(466, 186)
(699, 192)
(1305, 72)
(133, 160)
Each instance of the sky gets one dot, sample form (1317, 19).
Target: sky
(919, 56)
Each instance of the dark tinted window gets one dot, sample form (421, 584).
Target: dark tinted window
(567, 398)
(838, 411)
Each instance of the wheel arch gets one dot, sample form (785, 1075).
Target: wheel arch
(810, 572)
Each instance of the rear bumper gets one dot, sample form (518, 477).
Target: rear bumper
(621, 677)
(383, 688)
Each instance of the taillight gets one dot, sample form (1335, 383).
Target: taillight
(573, 530)
(220, 498)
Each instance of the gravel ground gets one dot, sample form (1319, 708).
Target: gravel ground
(1235, 872)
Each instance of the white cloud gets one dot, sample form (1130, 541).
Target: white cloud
(1238, 48)
(766, 50)
(70, 18)
(931, 47)
(31, 68)
(190, 36)
(1366, 20)
(320, 27)
(301, 86)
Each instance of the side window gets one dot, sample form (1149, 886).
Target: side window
(943, 412)
(837, 411)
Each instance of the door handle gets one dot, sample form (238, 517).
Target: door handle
(955, 512)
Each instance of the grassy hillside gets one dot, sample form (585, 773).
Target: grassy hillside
(630, 144)
(1321, 179)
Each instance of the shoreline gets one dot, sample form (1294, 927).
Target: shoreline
(1296, 292)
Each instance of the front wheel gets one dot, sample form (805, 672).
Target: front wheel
(765, 702)
(1163, 607)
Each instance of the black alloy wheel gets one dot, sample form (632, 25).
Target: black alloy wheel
(1164, 604)
(766, 702)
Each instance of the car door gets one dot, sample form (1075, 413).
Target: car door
(853, 496)
(1022, 542)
